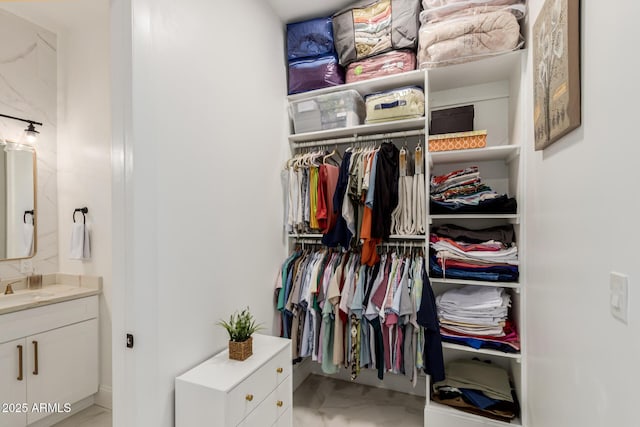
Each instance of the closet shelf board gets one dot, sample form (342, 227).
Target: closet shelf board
(411, 78)
(501, 152)
(407, 237)
(488, 70)
(362, 130)
(305, 236)
(451, 346)
(514, 218)
(512, 285)
(441, 409)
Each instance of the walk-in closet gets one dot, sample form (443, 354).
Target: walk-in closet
(394, 299)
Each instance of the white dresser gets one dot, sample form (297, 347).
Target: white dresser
(223, 392)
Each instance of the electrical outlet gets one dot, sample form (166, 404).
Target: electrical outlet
(619, 296)
(26, 266)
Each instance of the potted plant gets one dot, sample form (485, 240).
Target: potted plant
(240, 328)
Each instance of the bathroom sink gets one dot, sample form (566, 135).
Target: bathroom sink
(18, 298)
(56, 288)
(36, 296)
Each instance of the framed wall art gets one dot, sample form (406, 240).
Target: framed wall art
(556, 77)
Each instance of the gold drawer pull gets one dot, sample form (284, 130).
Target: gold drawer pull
(35, 355)
(279, 370)
(20, 377)
(249, 397)
(279, 403)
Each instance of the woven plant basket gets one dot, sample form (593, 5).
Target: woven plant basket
(240, 350)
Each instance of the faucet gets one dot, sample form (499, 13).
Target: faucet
(9, 290)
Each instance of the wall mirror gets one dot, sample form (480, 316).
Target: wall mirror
(17, 203)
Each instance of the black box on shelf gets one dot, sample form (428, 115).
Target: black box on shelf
(451, 120)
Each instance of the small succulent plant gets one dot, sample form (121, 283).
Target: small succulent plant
(240, 326)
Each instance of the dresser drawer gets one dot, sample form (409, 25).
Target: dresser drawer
(281, 365)
(272, 408)
(248, 395)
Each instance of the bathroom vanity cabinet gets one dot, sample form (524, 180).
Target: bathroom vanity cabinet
(48, 359)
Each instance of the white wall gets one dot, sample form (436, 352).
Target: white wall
(84, 157)
(199, 103)
(582, 214)
(28, 90)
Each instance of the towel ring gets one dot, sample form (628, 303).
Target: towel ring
(84, 211)
(24, 217)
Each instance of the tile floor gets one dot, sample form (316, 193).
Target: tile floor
(325, 402)
(318, 402)
(93, 416)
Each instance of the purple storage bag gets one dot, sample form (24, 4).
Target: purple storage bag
(310, 38)
(316, 73)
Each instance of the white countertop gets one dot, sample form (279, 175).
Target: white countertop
(55, 288)
(226, 373)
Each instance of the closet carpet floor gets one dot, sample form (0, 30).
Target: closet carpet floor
(326, 402)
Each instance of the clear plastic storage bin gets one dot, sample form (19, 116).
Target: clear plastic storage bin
(334, 110)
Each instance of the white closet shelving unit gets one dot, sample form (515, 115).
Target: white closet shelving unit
(495, 88)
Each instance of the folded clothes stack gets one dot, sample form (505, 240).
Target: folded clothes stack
(477, 387)
(488, 254)
(478, 317)
(462, 191)
(372, 27)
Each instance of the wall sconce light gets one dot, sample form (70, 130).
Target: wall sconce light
(30, 132)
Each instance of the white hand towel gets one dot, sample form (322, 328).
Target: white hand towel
(27, 234)
(86, 249)
(80, 242)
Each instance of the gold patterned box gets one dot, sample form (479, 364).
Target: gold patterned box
(458, 141)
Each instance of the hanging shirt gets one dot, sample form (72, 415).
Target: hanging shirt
(385, 191)
(339, 234)
(329, 179)
(428, 319)
(313, 198)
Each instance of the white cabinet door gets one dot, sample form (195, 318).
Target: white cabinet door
(13, 388)
(67, 366)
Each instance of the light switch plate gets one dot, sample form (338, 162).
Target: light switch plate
(619, 296)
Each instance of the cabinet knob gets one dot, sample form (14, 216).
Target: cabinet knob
(279, 403)
(279, 370)
(249, 397)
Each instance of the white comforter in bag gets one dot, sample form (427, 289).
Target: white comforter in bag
(468, 36)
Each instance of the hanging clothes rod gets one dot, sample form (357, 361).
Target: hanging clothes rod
(355, 138)
(395, 244)
(403, 244)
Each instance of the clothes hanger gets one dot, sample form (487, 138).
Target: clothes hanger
(328, 156)
(403, 162)
(418, 158)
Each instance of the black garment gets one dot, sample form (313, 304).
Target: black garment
(379, 346)
(499, 205)
(428, 319)
(385, 196)
(370, 282)
(340, 234)
(501, 233)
